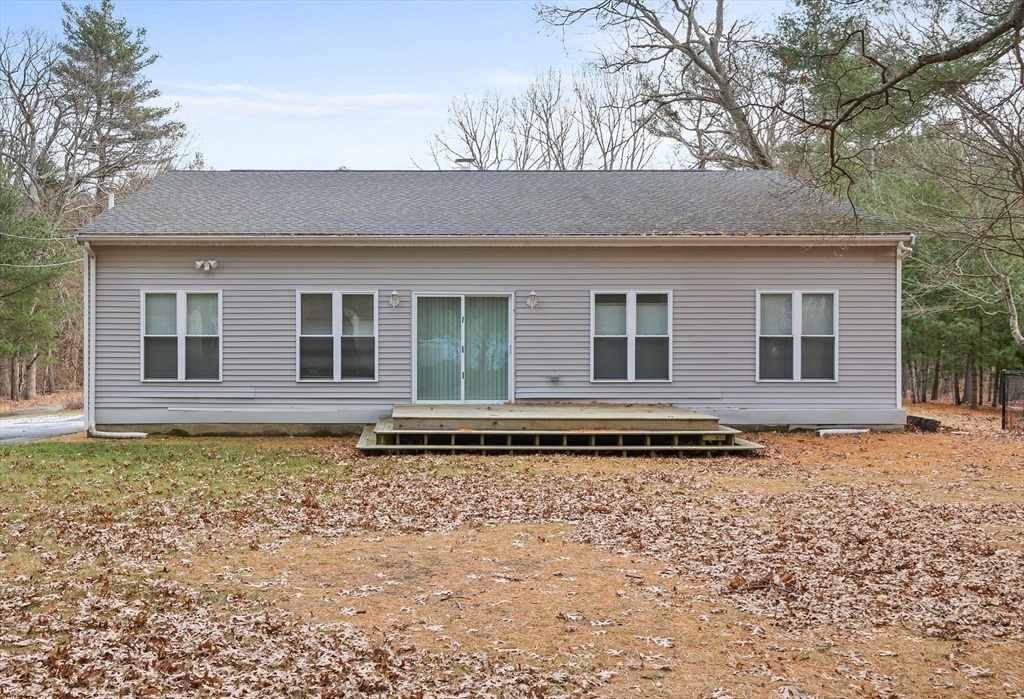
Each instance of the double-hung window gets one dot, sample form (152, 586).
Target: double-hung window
(631, 336)
(796, 336)
(337, 336)
(181, 336)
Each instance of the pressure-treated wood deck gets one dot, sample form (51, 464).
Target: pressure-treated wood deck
(555, 427)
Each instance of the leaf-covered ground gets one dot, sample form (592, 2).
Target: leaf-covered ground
(881, 565)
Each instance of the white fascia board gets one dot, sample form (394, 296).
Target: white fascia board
(710, 240)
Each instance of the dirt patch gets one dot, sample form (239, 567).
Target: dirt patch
(530, 594)
(942, 466)
(458, 588)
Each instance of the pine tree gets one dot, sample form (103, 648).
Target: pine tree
(31, 302)
(121, 135)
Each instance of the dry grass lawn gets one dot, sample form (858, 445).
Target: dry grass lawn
(881, 565)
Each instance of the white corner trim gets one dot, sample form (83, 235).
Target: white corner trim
(89, 329)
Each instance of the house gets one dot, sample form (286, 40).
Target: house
(299, 301)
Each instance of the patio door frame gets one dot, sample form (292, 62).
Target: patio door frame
(510, 363)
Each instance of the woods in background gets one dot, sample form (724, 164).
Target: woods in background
(77, 125)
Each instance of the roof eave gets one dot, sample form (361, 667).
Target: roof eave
(390, 240)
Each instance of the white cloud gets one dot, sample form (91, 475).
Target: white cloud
(246, 101)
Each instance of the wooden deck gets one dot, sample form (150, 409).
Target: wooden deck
(552, 427)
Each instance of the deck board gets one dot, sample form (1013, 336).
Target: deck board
(559, 416)
(385, 425)
(368, 444)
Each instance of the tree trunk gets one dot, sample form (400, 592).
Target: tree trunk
(913, 381)
(30, 378)
(935, 379)
(972, 375)
(956, 388)
(15, 380)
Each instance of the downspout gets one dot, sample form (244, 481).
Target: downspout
(903, 251)
(90, 339)
(89, 351)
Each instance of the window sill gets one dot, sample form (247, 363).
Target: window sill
(633, 381)
(796, 380)
(338, 381)
(181, 380)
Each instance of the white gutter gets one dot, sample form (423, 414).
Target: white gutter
(89, 350)
(900, 255)
(651, 240)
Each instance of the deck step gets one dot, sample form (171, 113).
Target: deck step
(386, 425)
(551, 427)
(368, 444)
(540, 416)
(371, 442)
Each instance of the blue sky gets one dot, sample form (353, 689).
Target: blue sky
(323, 84)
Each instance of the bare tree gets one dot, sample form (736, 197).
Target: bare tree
(961, 182)
(981, 166)
(615, 115)
(33, 118)
(598, 122)
(477, 130)
(735, 95)
(76, 121)
(705, 75)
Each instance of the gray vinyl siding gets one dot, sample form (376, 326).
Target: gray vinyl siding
(713, 320)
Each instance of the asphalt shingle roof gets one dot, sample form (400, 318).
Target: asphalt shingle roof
(457, 203)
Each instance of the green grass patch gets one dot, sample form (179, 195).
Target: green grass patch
(109, 472)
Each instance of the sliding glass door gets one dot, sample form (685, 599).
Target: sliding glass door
(439, 348)
(486, 348)
(462, 348)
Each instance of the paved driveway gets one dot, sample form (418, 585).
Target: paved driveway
(27, 429)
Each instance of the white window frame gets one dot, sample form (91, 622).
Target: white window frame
(798, 320)
(336, 327)
(416, 296)
(181, 305)
(631, 335)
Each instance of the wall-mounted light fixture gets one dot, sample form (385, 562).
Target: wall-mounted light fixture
(531, 301)
(206, 265)
(394, 299)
